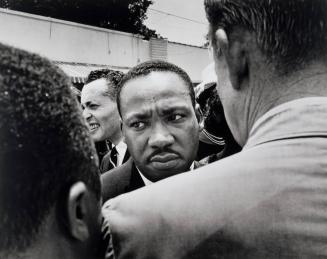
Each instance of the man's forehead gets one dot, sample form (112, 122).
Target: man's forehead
(165, 96)
(159, 83)
(163, 100)
(93, 89)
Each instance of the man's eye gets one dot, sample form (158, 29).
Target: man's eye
(175, 117)
(138, 125)
(93, 106)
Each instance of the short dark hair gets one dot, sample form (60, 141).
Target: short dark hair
(44, 145)
(289, 32)
(145, 68)
(112, 78)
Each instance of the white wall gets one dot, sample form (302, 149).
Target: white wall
(71, 42)
(192, 59)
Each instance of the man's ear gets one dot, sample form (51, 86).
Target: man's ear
(199, 116)
(77, 210)
(234, 50)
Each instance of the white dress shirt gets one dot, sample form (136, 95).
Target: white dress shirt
(121, 150)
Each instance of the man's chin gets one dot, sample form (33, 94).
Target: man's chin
(97, 138)
(159, 171)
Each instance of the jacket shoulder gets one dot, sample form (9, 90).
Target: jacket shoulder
(115, 181)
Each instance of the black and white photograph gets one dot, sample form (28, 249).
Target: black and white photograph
(163, 129)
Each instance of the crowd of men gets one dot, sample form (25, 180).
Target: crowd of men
(150, 197)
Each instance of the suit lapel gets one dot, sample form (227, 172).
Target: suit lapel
(136, 181)
(126, 156)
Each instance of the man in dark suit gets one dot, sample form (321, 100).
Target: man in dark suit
(160, 125)
(98, 99)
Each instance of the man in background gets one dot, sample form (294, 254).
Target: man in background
(216, 140)
(269, 200)
(50, 193)
(160, 126)
(98, 99)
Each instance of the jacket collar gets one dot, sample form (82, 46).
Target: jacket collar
(305, 117)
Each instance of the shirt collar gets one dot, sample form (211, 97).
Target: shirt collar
(192, 166)
(144, 179)
(121, 147)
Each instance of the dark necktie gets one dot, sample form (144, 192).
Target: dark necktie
(113, 157)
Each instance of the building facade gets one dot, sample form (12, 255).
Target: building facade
(78, 49)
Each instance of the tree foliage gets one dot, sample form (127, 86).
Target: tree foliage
(122, 15)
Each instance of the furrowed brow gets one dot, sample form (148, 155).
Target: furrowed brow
(170, 110)
(137, 115)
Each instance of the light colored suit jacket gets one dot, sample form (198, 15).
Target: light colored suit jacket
(268, 201)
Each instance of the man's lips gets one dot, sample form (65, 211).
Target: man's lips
(163, 157)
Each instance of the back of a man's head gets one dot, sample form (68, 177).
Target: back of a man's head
(44, 148)
(267, 52)
(290, 33)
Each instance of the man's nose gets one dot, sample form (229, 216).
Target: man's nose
(86, 114)
(160, 136)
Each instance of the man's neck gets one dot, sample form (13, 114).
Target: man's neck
(49, 244)
(116, 139)
(39, 251)
(309, 82)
